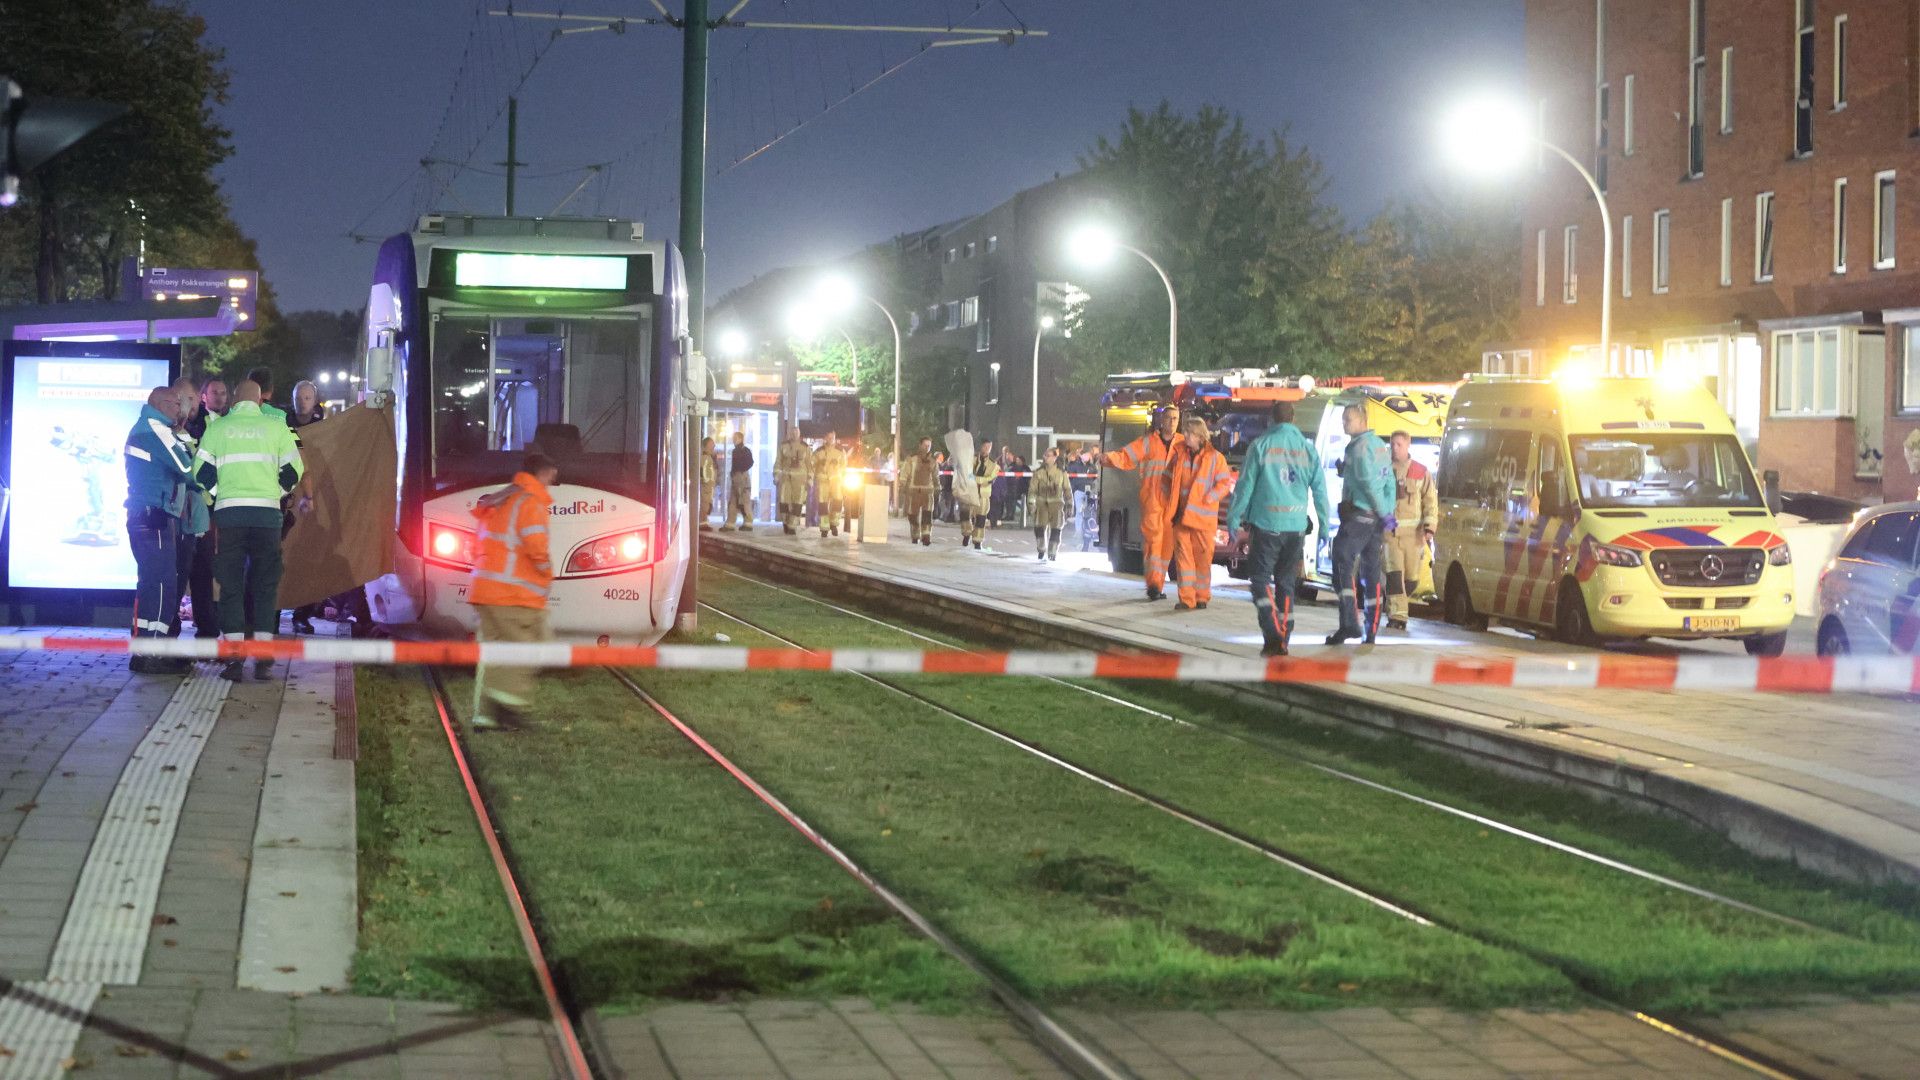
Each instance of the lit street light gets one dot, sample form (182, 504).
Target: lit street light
(1093, 246)
(733, 342)
(1033, 403)
(1491, 136)
(839, 294)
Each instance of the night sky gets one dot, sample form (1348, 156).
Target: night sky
(334, 104)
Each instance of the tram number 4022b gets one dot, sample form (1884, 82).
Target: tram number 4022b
(622, 594)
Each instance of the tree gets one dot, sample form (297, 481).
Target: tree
(1437, 286)
(151, 172)
(1257, 260)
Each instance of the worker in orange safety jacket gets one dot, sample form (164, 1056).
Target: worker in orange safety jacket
(1152, 455)
(512, 570)
(1201, 478)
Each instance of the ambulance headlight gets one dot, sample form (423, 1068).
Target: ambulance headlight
(1612, 555)
(1780, 556)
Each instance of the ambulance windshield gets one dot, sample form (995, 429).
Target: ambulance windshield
(1655, 470)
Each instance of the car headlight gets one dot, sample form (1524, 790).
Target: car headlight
(1780, 556)
(1613, 555)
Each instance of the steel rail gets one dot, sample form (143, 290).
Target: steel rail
(1070, 1050)
(1719, 1047)
(1354, 778)
(572, 1050)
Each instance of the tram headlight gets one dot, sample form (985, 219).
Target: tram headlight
(451, 545)
(616, 552)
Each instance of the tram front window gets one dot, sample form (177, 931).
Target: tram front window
(574, 388)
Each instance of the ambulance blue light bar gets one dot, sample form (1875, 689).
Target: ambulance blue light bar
(500, 270)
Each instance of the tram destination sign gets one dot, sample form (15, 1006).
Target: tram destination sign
(235, 288)
(503, 270)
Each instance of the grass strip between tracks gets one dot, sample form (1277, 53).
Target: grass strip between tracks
(1643, 943)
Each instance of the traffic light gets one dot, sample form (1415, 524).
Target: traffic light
(36, 130)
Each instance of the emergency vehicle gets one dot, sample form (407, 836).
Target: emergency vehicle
(1607, 509)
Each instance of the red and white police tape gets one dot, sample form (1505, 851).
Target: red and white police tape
(1786, 674)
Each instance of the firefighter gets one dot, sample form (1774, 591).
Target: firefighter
(709, 475)
(511, 577)
(922, 478)
(1152, 455)
(1281, 470)
(739, 485)
(1416, 511)
(1366, 516)
(1048, 495)
(829, 471)
(249, 462)
(985, 472)
(1200, 478)
(159, 487)
(791, 467)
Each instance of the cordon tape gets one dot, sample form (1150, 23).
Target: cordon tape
(1785, 674)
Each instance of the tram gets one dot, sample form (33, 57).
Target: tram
(493, 337)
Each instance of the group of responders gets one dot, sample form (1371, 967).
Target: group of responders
(1785, 674)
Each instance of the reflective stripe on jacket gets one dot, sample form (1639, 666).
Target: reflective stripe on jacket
(1281, 472)
(922, 473)
(1367, 474)
(513, 568)
(1201, 478)
(159, 466)
(1153, 457)
(249, 460)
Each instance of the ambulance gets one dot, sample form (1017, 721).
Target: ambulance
(1607, 509)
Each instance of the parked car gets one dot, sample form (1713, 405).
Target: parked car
(1870, 592)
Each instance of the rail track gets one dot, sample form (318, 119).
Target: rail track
(1717, 1046)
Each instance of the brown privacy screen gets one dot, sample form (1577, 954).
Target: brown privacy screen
(347, 539)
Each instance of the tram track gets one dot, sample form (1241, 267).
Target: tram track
(1699, 1039)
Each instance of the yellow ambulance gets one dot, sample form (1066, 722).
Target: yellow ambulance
(1606, 509)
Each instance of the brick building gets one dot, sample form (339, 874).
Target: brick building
(1761, 159)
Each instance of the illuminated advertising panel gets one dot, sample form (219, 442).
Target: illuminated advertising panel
(70, 408)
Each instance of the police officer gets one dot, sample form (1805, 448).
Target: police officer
(709, 475)
(740, 485)
(791, 468)
(249, 462)
(159, 483)
(921, 476)
(1366, 515)
(829, 470)
(1416, 512)
(1281, 470)
(985, 472)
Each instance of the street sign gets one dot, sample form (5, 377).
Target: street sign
(236, 287)
(1025, 430)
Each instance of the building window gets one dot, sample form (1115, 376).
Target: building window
(1510, 362)
(953, 315)
(1839, 62)
(1763, 236)
(1626, 255)
(1696, 85)
(970, 311)
(1803, 80)
(1662, 237)
(1726, 242)
(1540, 269)
(968, 253)
(1910, 371)
(1569, 266)
(1626, 117)
(993, 383)
(983, 332)
(952, 253)
(1840, 225)
(1726, 90)
(1883, 221)
(1813, 372)
(993, 244)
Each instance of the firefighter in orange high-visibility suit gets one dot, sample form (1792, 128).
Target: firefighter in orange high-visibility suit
(1152, 455)
(1201, 478)
(512, 571)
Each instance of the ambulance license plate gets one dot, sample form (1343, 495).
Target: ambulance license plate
(1711, 623)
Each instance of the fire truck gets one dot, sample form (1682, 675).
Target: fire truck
(1236, 404)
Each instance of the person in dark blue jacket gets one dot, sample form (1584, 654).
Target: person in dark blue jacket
(159, 482)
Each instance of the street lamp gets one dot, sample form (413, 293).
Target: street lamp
(1093, 245)
(733, 342)
(1033, 403)
(839, 293)
(1491, 136)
